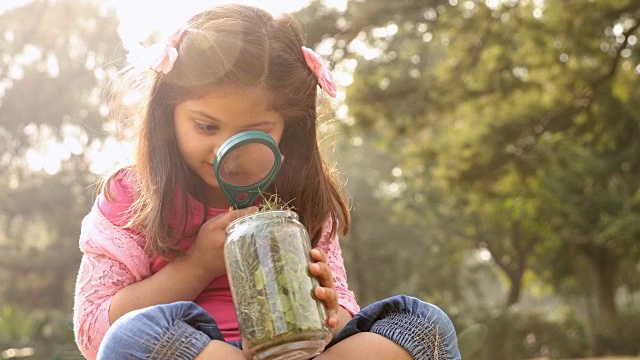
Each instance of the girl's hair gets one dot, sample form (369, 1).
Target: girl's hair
(233, 45)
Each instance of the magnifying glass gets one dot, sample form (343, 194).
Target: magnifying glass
(245, 165)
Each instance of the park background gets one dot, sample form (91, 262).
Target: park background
(491, 151)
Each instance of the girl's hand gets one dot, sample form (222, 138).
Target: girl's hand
(207, 251)
(326, 292)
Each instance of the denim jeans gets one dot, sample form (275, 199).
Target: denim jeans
(181, 330)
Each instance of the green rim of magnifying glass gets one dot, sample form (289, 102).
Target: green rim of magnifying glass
(232, 192)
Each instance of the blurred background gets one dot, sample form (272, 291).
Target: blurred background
(490, 148)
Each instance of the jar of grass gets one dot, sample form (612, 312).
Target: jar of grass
(267, 259)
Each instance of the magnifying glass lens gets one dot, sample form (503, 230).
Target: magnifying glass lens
(247, 164)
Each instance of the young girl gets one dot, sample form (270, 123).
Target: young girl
(152, 282)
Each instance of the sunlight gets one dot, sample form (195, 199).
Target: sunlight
(103, 157)
(168, 16)
(484, 254)
(110, 155)
(8, 4)
(48, 159)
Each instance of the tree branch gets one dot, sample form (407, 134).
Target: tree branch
(587, 93)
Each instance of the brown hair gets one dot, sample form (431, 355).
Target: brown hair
(233, 45)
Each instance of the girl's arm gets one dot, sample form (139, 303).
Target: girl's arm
(115, 276)
(179, 280)
(184, 277)
(112, 259)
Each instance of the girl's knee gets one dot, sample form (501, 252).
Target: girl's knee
(153, 332)
(421, 328)
(134, 334)
(414, 306)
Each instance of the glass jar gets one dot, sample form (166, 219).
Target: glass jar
(267, 260)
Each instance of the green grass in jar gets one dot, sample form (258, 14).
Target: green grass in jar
(272, 287)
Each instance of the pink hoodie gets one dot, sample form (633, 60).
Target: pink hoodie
(115, 257)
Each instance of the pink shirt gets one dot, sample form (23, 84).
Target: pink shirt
(115, 257)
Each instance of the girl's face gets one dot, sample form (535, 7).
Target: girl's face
(202, 125)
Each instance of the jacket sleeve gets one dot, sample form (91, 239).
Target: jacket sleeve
(331, 247)
(112, 259)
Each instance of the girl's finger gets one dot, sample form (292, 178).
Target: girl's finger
(328, 295)
(318, 255)
(322, 272)
(235, 214)
(330, 299)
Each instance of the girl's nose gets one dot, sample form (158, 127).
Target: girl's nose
(215, 147)
(214, 155)
(217, 143)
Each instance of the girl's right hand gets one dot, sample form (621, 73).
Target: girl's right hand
(207, 251)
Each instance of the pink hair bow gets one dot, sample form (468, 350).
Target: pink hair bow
(167, 58)
(325, 78)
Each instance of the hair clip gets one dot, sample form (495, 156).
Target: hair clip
(167, 58)
(325, 78)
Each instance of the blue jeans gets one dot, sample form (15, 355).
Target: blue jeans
(181, 330)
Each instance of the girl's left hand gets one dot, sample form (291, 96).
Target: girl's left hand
(326, 292)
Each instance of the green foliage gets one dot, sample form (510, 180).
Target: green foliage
(526, 334)
(471, 339)
(51, 46)
(55, 59)
(620, 334)
(47, 333)
(380, 237)
(514, 129)
(15, 327)
(317, 19)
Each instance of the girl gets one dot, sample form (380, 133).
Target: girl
(152, 282)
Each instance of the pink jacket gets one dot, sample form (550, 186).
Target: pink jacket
(115, 257)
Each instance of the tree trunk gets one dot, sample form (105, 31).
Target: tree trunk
(604, 265)
(516, 264)
(604, 269)
(515, 286)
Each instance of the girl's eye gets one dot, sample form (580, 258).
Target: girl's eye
(206, 127)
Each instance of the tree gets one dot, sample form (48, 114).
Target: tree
(387, 254)
(521, 116)
(55, 60)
